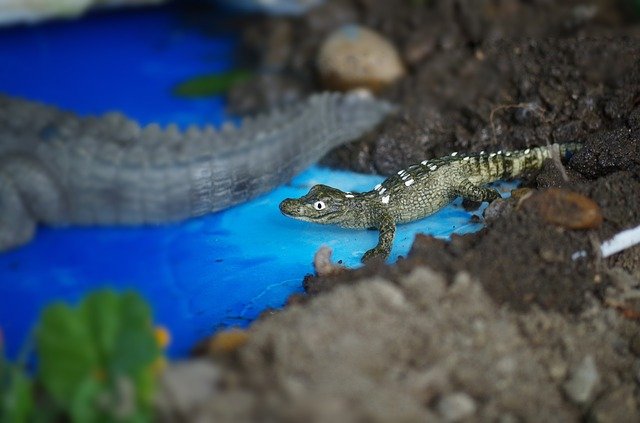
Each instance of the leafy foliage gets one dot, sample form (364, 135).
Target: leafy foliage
(210, 85)
(16, 398)
(96, 361)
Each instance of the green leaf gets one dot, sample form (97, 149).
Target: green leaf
(85, 351)
(135, 346)
(100, 312)
(210, 85)
(83, 407)
(16, 395)
(67, 353)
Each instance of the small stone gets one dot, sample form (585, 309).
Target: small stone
(565, 208)
(357, 57)
(558, 371)
(457, 406)
(496, 209)
(228, 341)
(582, 381)
(323, 265)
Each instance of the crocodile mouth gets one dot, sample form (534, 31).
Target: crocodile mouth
(292, 207)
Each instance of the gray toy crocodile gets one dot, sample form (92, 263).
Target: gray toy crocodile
(417, 192)
(59, 169)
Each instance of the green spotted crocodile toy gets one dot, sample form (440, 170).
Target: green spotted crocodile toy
(418, 191)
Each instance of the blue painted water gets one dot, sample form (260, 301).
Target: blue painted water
(211, 272)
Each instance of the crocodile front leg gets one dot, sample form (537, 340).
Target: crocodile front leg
(476, 193)
(16, 225)
(387, 227)
(28, 195)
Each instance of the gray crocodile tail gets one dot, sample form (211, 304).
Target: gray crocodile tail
(225, 168)
(109, 171)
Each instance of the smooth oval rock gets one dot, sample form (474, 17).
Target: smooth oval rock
(581, 384)
(357, 57)
(565, 208)
(456, 406)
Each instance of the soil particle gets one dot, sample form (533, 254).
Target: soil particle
(582, 381)
(564, 208)
(457, 406)
(496, 209)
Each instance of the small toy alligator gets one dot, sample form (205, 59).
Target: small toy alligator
(417, 192)
(59, 169)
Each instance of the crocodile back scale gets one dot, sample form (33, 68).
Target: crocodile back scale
(58, 168)
(418, 191)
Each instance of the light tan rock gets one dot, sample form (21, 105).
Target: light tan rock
(357, 57)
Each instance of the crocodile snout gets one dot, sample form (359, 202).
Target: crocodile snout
(289, 206)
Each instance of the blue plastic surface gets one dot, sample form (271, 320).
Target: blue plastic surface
(206, 273)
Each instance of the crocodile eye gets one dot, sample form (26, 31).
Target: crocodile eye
(319, 205)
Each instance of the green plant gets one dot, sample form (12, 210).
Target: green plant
(209, 85)
(16, 392)
(97, 360)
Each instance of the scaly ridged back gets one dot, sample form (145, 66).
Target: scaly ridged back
(489, 167)
(114, 172)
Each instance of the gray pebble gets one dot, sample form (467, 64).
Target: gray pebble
(457, 406)
(582, 381)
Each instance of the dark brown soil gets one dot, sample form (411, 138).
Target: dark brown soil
(483, 75)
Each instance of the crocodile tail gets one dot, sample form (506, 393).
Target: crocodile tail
(513, 164)
(569, 149)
